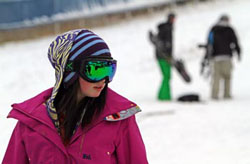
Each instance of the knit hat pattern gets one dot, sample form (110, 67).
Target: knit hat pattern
(70, 46)
(86, 44)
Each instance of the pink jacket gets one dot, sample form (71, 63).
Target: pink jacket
(106, 141)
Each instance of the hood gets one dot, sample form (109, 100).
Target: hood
(33, 111)
(118, 107)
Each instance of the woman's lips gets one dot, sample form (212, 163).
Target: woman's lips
(98, 87)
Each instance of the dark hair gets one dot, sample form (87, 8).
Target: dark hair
(171, 15)
(170, 18)
(70, 111)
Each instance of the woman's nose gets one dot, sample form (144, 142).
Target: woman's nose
(102, 81)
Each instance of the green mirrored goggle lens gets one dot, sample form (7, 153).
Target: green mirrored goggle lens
(96, 71)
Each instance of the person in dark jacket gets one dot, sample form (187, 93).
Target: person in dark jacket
(164, 48)
(222, 44)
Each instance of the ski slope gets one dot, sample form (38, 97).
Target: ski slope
(209, 132)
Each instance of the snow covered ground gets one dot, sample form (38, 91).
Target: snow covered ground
(211, 132)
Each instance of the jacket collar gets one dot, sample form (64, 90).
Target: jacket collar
(35, 109)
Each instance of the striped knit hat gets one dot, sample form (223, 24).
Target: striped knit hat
(71, 46)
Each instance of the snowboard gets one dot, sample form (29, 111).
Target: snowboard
(205, 69)
(178, 64)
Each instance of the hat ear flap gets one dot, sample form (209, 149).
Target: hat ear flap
(58, 54)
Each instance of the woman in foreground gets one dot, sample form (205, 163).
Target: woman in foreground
(80, 119)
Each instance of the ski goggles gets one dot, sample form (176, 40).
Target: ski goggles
(96, 69)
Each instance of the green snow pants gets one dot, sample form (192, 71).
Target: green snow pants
(165, 91)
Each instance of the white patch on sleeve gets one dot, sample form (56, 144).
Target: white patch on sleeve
(123, 114)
